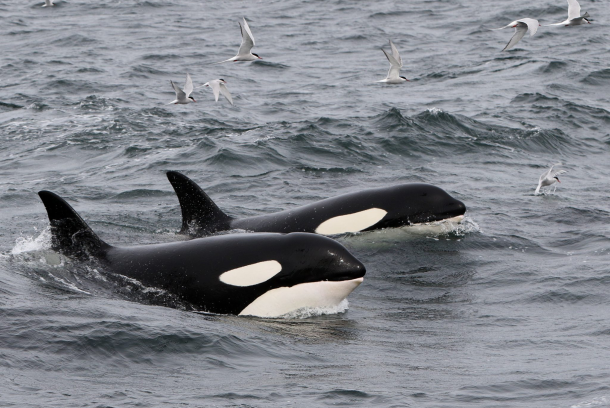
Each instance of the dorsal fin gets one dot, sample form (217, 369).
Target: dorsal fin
(200, 215)
(71, 236)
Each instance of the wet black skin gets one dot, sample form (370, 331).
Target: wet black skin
(405, 204)
(191, 269)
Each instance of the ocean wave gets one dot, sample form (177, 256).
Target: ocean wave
(140, 193)
(564, 296)
(5, 106)
(76, 86)
(96, 103)
(269, 65)
(73, 40)
(350, 397)
(145, 71)
(117, 342)
(597, 402)
(323, 170)
(598, 78)
(436, 132)
(160, 57)
(152, 4)
(563, 111)
(553, 66)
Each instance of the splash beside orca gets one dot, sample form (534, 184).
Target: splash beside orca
(264, 274)
(378, 208)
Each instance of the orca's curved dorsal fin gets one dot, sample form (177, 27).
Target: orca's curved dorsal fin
(200, 215)
(71, 236)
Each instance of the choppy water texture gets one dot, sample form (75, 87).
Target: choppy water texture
(509, 311)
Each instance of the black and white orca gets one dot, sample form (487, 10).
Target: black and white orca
(372, 209)
(265, 275)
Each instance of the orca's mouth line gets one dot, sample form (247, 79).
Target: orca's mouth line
(455, 219)
(360, 279)
(337, 278)
(341, 278)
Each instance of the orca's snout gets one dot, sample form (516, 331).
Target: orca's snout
(453, 208)
(357, 267)
(323, 258)
(348, 267)
(460, 207)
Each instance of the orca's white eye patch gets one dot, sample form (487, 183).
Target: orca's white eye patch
(351, 222)
(252, 274)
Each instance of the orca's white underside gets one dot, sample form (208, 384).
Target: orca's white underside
(280, 301)
(435, 226)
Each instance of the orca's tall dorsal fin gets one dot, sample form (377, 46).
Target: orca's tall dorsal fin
(200, 215)
(70, 234)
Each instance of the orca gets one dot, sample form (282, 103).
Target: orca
(371, 209)
(258, 274)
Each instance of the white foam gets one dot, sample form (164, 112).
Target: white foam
(435, 111)
(459, 225)
(29, 244)
(143, 288)
(95, 274)
(596, 402)
(433, 230)
(67, 285)
(38, 249)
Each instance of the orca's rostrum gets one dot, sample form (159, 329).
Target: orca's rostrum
(265, 275)
(366, 210)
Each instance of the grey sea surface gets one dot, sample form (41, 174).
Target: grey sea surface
(511, 309)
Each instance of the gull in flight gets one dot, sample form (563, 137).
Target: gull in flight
(48, 3)
(219, 87)
(395, 65)
(521, 27)
(549, 177)
(574, 17)
(247, 42)
(182, 96)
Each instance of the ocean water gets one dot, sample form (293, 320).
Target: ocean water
(511, 309)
